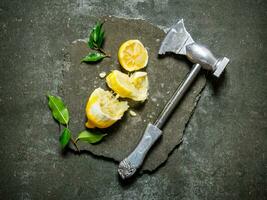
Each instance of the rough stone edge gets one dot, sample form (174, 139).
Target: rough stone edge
(163, 163)
(65, 68)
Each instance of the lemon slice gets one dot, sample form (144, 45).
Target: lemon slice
(103, 109)
(133, 55)
(134, 87)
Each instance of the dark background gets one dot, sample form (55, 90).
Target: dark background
(223, 155)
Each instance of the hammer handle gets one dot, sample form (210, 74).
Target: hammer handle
(176, 97)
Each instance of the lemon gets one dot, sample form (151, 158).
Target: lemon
(133, 55)
(103, 109)
(134, 87)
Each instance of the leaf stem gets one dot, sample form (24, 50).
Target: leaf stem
(102, 51)
(74, 143)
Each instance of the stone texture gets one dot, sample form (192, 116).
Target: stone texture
(165, 74)
(223, 155)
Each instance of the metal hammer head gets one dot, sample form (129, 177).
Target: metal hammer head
(179, 41)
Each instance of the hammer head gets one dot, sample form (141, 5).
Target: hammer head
(179, 41)
(176, 40)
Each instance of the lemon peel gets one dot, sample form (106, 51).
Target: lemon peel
(103, 109)
(134, 87)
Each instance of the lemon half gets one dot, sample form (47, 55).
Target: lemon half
(103, 109)
(133, 55)
(134, 87)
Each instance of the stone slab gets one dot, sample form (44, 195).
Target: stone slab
(164, 73)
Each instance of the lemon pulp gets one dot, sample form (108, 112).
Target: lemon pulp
(133, 55)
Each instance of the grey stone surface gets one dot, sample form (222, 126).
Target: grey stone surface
(164, 76)
(223, 155)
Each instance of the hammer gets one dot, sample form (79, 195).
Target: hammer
(177, 41)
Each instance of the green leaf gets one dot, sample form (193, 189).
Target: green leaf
(91, 42)
(58, 109)
(101, 39)
(90, 137)
(93, 57)
(65, 138)
(97, 29)
(96, 36)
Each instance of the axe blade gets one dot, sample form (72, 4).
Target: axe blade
(176, 40)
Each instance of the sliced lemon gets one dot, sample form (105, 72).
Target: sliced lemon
(134, 87)
(133, 55)
(103, 109)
